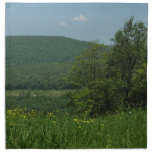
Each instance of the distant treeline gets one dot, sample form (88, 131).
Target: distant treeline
(22, 50)
(40, 62)
(42, 76)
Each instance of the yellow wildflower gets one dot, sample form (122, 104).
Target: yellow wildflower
(76, 120)
(54, 122)
(102, 124)
(51, 114)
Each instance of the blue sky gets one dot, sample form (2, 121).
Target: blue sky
(83, 21)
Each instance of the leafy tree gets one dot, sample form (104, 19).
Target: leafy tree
(88, 66)
(108, 81)
(87, 73)
(129, 52)
(138, 93)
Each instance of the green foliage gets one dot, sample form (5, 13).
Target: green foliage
(40, 62)
(39, 119)
(109, 81)
(21, 50)
(39, 100)
(104, 83)
(128, 54)
(38, 76)
(138, 94)
(86, 74)
(81, 99)
(88, 67)
(36, 130)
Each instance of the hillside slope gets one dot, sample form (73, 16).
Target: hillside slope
(40, 62)
(41, 49)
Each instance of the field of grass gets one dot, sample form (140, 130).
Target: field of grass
(36, 130)
(44, 122)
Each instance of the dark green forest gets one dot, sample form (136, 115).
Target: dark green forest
(23, 50)
(40, 62)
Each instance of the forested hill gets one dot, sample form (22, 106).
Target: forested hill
(21, 50)
(40, 62)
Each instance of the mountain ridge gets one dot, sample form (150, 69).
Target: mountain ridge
(42, 49)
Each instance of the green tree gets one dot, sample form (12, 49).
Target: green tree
(87, 73)
(108, 80)
(129, 52)
(138, 93)
(88, 66)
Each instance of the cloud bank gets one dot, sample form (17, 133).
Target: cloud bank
(80, 18)
(63, 24)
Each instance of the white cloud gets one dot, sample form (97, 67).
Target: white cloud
(80, 18)
(63, 24)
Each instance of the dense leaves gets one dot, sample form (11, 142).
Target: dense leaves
(37, 76)
(129, 52)
(114, 80)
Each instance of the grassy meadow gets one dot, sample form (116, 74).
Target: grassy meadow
(44, 122)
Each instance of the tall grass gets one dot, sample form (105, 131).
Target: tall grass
(37, 130)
